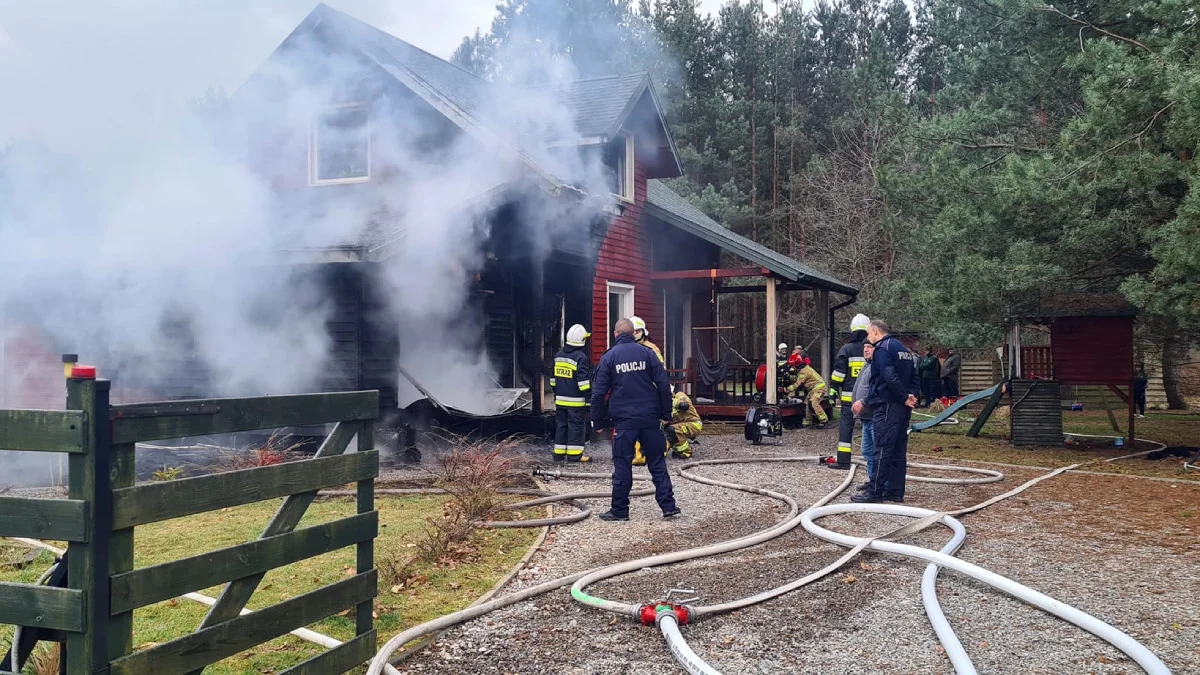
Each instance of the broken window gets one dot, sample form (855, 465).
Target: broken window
(340, 150)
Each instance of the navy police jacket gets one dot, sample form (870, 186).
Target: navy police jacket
(893, 373)
(635, 384)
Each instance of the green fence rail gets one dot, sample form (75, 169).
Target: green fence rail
(93, 616)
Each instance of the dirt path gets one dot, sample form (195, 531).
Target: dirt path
(1125, 550)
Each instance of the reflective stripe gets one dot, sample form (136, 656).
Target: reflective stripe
(838, 376)
(845, 446)
(570, 401)
(563, 359)
(847, 398)
(858, 359)
(560, 449)
(584, 385)
(553, 382)
(574, 449)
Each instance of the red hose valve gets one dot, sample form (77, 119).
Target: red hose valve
(648, 614)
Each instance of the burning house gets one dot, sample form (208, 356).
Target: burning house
(442, 232)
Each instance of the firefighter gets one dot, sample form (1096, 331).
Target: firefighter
(685, 425)
(846, 368)
(641, 335)
(814, 393)
(572, 388)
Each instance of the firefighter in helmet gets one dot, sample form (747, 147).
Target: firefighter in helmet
(685, 425)
(572, 386)
(811, 387)
(641, 335)
(846, 368)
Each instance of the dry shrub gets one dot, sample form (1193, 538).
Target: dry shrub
(473, 472)
(44, 660)
(1002, 412)
(279, 448)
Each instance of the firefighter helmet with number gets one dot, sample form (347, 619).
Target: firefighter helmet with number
(639, 324)
(859, 322)
(577, 335)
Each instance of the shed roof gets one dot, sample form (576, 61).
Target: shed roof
(665, 204)
(1060, 305)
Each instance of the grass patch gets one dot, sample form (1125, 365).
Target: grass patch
(437, 589)
(992, 444)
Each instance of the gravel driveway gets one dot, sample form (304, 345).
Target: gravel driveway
(1074, 537)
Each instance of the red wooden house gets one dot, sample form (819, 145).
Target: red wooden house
(643, 250)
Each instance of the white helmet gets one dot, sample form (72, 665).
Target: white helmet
(859, 322)
(638, 324)
(782, 347)
(577, 335)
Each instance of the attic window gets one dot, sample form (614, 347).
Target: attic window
(618, 157)
(340, 147)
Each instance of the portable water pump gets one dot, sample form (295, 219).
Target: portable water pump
(764, 422)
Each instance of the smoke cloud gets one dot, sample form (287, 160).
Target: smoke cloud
(169, 236)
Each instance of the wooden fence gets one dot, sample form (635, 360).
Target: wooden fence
(93, 616)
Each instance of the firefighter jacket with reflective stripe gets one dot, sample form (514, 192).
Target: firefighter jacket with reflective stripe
(677, 415)
(654, 348)
(847, 366)
(572, 381)
(809, 379)
(635, 378)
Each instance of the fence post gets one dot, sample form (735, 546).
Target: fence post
(87, 563)
(364, 613)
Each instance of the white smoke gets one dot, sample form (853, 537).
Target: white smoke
(141, 229)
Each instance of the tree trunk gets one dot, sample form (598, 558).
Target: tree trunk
(1175, 354)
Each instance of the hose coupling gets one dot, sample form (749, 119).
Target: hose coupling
(826, 460)
(650, 614)
(548, 473)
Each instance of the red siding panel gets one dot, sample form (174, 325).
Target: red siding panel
(624, 257)
(1092, 350)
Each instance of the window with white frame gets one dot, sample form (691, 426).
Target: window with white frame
(618, 160)
(340, 146)
(620, 306)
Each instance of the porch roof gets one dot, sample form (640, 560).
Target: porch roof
(665, 204)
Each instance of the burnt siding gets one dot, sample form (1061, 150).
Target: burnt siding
(624, 257)
(379, 348)
(500, 328)
(344, 285)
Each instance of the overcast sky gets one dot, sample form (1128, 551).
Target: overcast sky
(65, 61)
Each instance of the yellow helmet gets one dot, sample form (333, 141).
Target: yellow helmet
(577, 335)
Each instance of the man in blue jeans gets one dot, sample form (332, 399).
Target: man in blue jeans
(862, 411)
(632, 394)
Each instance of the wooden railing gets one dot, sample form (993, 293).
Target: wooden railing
(94, 616)
(736, 388)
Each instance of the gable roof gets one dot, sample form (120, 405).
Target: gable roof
(600, 104)
(665, 204)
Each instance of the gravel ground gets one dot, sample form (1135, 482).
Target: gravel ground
(1074, 538)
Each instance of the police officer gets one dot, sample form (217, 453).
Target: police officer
(893, 395)
(572, 384)
(846, 367)
(631, 392)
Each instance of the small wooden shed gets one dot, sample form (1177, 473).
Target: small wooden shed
(1091, 344)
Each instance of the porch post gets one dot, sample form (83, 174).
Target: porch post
(772, 394)
(826, 333)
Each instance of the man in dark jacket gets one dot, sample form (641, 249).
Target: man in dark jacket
(950, 371)
(632, 394)
(893, 395)
(930, 382)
